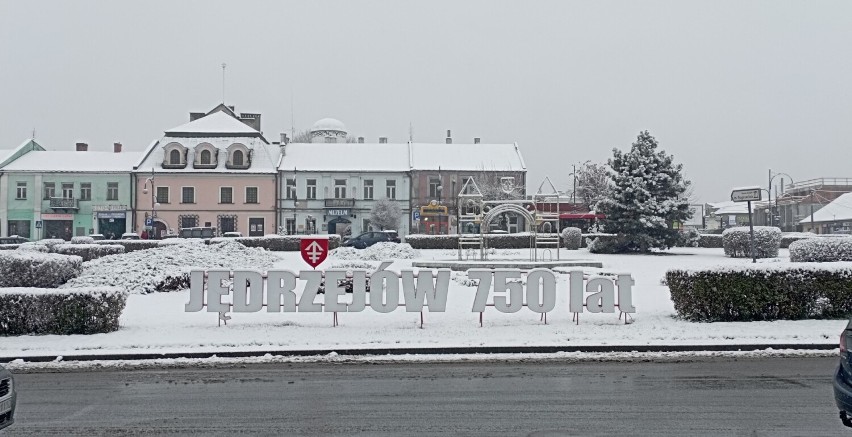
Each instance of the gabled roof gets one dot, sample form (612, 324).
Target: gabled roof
(264, 156)
(838, 209)
(218, 123)
(7, 155)
(730, 207)
(73, 162)
(376, 157)
(466, 157)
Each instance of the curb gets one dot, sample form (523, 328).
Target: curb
(429, 351)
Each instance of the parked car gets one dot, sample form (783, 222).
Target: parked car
(97, 237)
(232, 234)
(843, 377)
(393, 235)
(8, 398)
(368, 239)
(13, 239)
(130, 236)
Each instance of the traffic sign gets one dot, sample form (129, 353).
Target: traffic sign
(38, 224)
(149, 221)
(415, 215)
(314, 250)
(746, 195)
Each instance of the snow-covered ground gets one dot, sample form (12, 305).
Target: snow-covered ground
(157, 323)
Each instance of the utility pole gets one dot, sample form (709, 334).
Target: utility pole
(573, 193)
(769, 201)
(812, 211)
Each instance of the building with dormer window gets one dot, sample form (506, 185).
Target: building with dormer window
(216, 171)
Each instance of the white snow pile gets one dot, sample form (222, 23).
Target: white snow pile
(167, 268)
(376, 252)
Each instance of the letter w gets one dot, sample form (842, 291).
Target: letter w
(435, 293)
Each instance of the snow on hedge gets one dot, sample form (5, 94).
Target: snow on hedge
(82, 240)
(572, 238)
(736, 242)
(376, 252)
(60, 311)
(167, 268)
(27, 268)
(88, 251)
(821, 250)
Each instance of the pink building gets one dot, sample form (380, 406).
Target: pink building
(216, 171)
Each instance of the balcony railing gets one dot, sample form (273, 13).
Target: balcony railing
(63, 203)
(339, 203)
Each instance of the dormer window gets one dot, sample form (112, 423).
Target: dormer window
(205, 156)
(239, 157)
(174, 156)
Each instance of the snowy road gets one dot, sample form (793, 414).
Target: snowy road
(694, 396)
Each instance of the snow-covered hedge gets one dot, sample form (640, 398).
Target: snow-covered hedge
(603, 243)
(34, 246)
(60, 311)
(789, 238)
(34, 269)
(88, 251)
(377, 252)
(425, 241)
(761, 292)
(82, 240)
(278, 243)
(9, 246)
(167, 268)
(767, 241)
(688, 238)
(132, 245)
(821, 250)
(713, 241)
(572, 238)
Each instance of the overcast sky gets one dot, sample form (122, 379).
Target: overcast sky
(731, 89)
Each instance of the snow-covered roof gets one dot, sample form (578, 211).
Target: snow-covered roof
(264, 157)
(73, 162)
(838, 209)
(730, 207)
(378, 157)
(6, 154)
(216, 123)
(472, 157)
(328, 124)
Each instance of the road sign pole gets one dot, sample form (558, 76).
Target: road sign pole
(751, 234)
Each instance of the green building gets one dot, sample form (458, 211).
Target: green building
(60, 194)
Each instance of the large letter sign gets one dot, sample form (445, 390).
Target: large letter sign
(314, 250)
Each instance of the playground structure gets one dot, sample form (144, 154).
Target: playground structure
(476, 213)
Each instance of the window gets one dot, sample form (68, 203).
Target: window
(112, 191)
(162, 194)
(67, 190)
(368, 189)
(290, 225)
(21, 193)
(311, 189)
(187, 196)
(174, 157)
(434, 187)
(251, 194)
(86, 191)
(49, 190)
(226, 195)
(340, 188)
(237, 158)
(227, 223)
(290, 189)
(205, 157)
(390, 189)
(330, 139)
(188, 221)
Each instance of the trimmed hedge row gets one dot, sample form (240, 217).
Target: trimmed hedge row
(88, 251)
(9, 246)
(737, 241)
(761, 292)
(821, 250)
(519, 240)
(278, 243)
(132, 245)
(61, 312)
(711, 241)
(35, 269)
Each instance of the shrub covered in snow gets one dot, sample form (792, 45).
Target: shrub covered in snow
(9, 246)
(821, 250)
(604, 243)
(376, 252)
(688, 238)
(572, 238)
(82, 240)
(278, 243)
(50, 242)
(167, 268)
(713, 241)
(88, 251)
(789, 238)
(132, 245)
(34, 269)
(424, 241)
(761, 292)
(60, 311)
(33, 246)
(767, 241)
(180, 241)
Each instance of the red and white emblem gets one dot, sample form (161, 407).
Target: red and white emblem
(314, 250)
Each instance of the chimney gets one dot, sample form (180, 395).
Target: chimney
(449, 137)
(361, 140)
(476, 140)
(116, 147)
(284, 139)
(82, 147)
(383, 140)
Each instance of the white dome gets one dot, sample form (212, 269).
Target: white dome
(328, 124)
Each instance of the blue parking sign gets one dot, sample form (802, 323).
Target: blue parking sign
(415, 215)
(149, 221)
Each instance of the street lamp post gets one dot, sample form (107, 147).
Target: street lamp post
(769, 193)
(149, 181)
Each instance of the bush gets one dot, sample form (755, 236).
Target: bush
(88, 251)
(761, 292)
(132, 245)
(377, 252)
(33, 247)
(424, 241)
(713, 241)
(34, 269)
(82, 240)
(767, 241)
(279, 243)
(60, 312)
(688, 238)
(821, 250)
(50, 242)
(9, 246)
(789, 238)
(572, 238)
(604, 243)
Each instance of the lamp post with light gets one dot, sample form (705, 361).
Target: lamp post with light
(149, 181)
(769, 193)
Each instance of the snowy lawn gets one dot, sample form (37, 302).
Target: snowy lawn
(157, 323)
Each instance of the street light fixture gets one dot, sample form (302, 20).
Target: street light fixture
(769, 193)
(149, 181)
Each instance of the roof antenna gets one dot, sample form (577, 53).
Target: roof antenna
(292, 118)
(410, 132)
(33, 137)
(223, 82)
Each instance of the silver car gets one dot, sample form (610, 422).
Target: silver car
(8, 398)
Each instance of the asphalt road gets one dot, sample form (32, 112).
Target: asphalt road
(720, 396)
